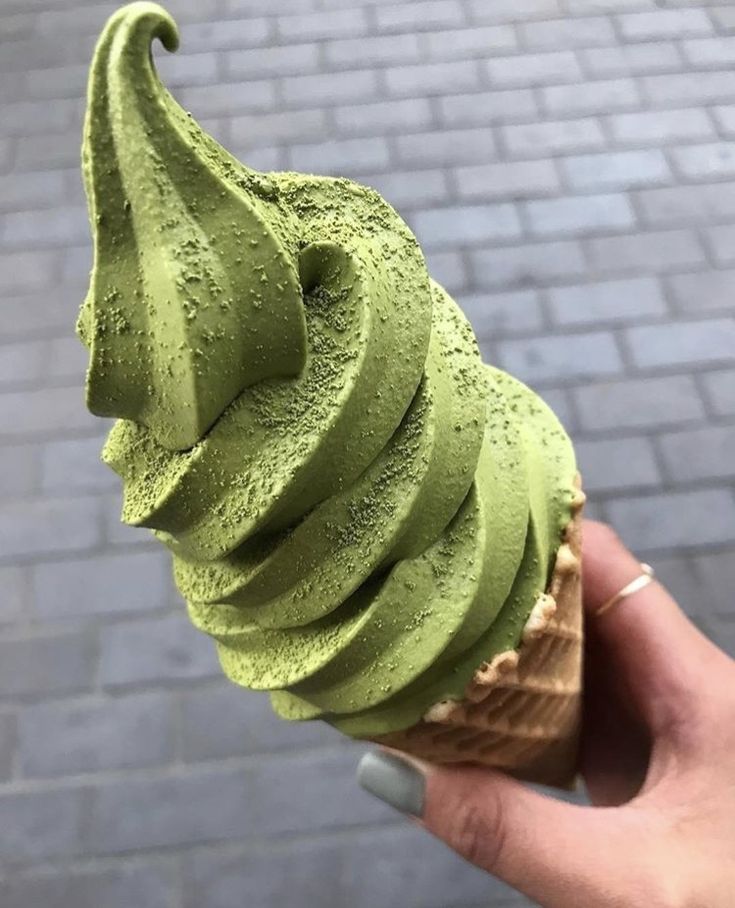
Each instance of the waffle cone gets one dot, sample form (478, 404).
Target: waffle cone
(521, 711)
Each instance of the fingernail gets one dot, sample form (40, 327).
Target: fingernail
(393, 780)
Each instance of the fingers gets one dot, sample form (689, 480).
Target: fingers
(556, 853)
(659, 653)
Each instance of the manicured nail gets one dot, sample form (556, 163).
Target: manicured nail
(393, 780)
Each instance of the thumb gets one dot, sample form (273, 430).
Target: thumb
(558, 854)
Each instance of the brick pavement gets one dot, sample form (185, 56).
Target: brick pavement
(569, 166)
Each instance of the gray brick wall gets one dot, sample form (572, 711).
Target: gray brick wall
(569, 166)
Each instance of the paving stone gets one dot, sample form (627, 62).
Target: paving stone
(580, 216)
(616, 464)
(420, 14)
(558, 400)
(623, 300)
(271, 128)
(156, 650)
(75, 465)
(673, 23)
(704, 162)
(507, 180)
(717, 52)
(228, 98)
(660, 127)
(373, 51)
(40, 824)
(24, 271)
(696, 454)
(14, 600)
(675, 520)
(187, 69)
(510, 11)
(600, 97)
(313, 791)
(223, 720)
(432, 78)
(67, 738)
(680, 577)
(529, 265)
(535, 69)
(486, 108)
(255, 7)
(498, 314)
(410, 189)
(104, 585)
(350, 87)
(45, 665)
(229, 34)
(681, 89)
(20, 363)
(716, 581)
(344, 157)
(42, 526)
(384, 117)
(7, 747)
(720, 389)
(122, 886)
(287, 60)
(448, 268)
(56, 82)
(562, 33)
(39, 229)
(333, 23)
(295, 793)
(477, 40)
(18, 470)
(725, 118)
(683, 343)
(639, 403)
(416, 871)
(185, 808)
(703, 291)
(649, 252)
(724, 17)
(466, 224)
(537, 140)
(631, 59)
(615, 170)
(32, 190)
(577, 356)
(454, 146)
(687, 204)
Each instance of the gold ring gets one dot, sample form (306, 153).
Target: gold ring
(638, 584)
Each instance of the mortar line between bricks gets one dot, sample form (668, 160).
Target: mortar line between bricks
(478, 57)
(253, 844)
(165, 771)
(164, 854)
(660, 461)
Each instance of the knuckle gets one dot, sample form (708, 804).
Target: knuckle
(477, 830)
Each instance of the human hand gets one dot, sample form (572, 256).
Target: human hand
(657, 757)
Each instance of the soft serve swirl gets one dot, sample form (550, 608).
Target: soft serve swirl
(360, 512)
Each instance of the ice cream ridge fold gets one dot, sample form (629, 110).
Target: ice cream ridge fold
(361, 514)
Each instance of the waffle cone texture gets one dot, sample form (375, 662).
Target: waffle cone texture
(521, 711)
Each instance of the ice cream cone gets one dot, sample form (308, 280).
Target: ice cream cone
(521, 711)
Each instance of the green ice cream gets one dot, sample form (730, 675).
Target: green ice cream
(360, 512)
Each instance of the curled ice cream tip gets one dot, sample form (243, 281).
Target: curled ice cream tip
(195, 293)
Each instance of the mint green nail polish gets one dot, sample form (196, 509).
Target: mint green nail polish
(393, 780)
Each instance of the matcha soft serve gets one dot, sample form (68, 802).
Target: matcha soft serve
(360, 512)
